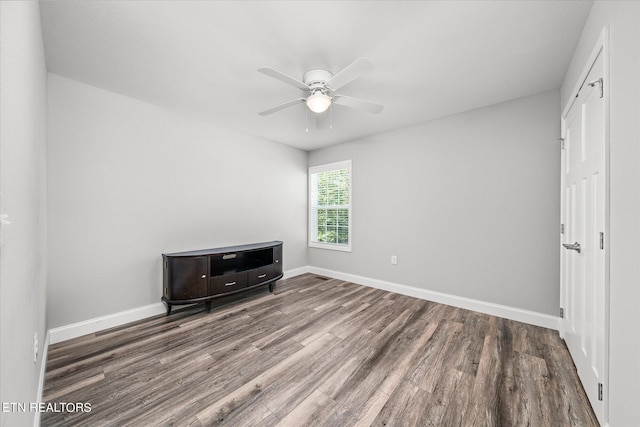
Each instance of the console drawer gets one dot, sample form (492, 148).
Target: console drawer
(261, 274)
(228, 282)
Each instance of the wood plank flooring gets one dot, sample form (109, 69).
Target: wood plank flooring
(318, 352)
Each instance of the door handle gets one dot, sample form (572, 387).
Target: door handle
(573, 246)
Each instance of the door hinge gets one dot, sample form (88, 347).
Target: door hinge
(600, 83)
(601, 240)
(600, 392)
(561, 313)
(561, 143)
(561, 228)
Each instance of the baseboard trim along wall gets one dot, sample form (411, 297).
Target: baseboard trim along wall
(90, 326)
(520, 315)
(64, 333)
(75, 330)
(296, 272)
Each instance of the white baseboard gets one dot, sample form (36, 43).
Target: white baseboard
(43, 371)
(75, 330)
(90, 326)
(295, 272)
(520, 315)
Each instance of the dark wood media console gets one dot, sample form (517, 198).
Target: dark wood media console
(202, 275)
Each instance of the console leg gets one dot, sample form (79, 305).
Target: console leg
(208, 305)
(271, 287)
(168, 309)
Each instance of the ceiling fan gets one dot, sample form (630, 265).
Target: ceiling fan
(320, 86)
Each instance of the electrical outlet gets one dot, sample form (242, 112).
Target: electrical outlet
(35, 347)
(394, 259)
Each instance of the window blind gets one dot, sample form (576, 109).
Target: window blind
(330, 205)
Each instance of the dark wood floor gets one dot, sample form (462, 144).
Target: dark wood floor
(318, 352)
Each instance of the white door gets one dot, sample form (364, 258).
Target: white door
(584, 200)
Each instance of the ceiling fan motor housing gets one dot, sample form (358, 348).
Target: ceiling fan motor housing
(316, 79)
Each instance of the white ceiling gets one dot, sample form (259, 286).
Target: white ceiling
(432, 58)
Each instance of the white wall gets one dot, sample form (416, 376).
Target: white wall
(623, 20)
(129, 181)
(22, 196)
(469, 204)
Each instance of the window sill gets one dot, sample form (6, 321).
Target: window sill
(329, 246)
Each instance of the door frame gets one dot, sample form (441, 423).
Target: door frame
(601, 47)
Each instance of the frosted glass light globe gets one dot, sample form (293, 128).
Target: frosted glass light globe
(318, 102)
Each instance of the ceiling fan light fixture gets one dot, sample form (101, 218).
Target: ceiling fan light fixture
(318, 102)
(320, 86)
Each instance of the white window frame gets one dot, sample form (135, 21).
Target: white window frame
(312, 223)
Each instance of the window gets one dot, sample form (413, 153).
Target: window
(330, 206)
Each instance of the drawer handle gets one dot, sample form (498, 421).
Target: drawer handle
(230, 284)
(204, 276)
(262, 275)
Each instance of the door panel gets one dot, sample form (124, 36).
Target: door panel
(584, 208)
(188, 277)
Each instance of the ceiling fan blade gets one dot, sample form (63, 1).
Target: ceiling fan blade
(282, 106)
(283, 77)
(351, 72)
(358, 104)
